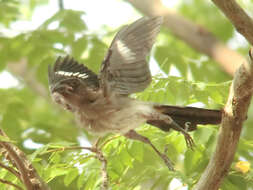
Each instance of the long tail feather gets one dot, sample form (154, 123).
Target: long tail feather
(186, 117)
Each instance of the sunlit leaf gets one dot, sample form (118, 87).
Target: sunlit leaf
(72, 174)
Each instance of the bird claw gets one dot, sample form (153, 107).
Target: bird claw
(189, 141)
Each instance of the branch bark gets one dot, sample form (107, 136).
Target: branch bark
(194, 35)
(235, 113)
(29, 175)
(242, 22)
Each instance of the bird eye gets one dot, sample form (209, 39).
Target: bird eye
(74, 83)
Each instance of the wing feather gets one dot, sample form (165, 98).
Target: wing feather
(66, 68)
(125, 69)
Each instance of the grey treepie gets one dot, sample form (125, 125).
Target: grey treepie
(101, 103)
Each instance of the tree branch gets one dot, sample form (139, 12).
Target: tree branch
(29, 175)
(242, 22)
(194, 35)
(235, 113)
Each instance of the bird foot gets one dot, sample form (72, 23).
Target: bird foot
(189, 141)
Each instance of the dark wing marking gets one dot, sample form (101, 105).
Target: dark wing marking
(125, 69)
(66, 68)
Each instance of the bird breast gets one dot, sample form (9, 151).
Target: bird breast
(113, 117)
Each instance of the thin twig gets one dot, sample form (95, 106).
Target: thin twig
(99, 156)
(10, 183)
(108, 140)
(70, 148)
(13, 171)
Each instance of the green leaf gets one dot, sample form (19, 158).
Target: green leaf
(71, 175)
(125, 157)
(96, 54)
(39, 151)
(61, 144)
(90, 182)
(79, 46)
(2, 65)
(69, 19)
(11, 123)
(81, 180)
(192, 160)
(167, 56)
(55, 172)
(162, 58)
(177, 90)
(135, 149)
(55, 158)
(9, 11)
(116, 165)
(214, 20)
(6, 139)
(229, 184)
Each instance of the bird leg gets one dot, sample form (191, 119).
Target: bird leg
(167, 119)
(135, 136)
(188, 139)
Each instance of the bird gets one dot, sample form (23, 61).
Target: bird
(102, 103)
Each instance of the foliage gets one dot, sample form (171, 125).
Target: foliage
(27, 116)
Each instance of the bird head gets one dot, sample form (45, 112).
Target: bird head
(68, 81)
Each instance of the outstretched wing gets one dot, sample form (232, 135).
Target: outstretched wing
(67, 68)
(125, 69)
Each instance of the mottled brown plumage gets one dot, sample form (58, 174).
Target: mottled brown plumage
(101, 103)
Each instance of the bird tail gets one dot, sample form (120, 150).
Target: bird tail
(187, 117)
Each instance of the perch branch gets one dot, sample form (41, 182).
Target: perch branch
(194, 35)
(242, 22)
(29, 175)
(235, 113)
